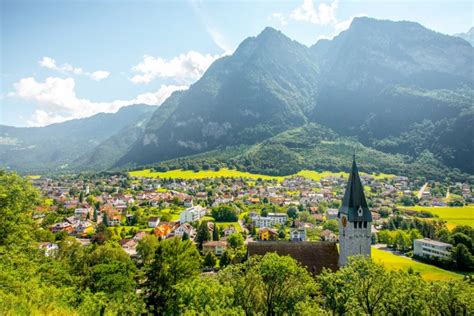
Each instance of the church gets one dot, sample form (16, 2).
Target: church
(355, 222)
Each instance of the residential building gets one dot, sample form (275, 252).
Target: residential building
(270, 220)
(192, 214)
(217, 247)
(431, 248)
(153, 222)
(298, 234)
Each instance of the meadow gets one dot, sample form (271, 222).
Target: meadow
(231, 173)
(454, 216)
(427, 272)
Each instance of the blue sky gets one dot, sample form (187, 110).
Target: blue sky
(70, 59)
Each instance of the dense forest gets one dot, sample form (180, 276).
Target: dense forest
(167, 277)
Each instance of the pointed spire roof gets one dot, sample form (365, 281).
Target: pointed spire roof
(354, 204)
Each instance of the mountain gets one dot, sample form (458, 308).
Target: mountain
(468, 36)
(397, 87)
(57, 146)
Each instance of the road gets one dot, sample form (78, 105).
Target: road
(423, 188)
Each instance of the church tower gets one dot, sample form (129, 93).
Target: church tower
(355, 220)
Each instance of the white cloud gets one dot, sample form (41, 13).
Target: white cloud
(184, 68)
(324, 14)
(57, 101)
(50, 63)
(280, 17)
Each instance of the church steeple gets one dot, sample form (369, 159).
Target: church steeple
(354, 204)
(355, 220)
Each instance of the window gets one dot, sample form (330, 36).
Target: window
(360, 224)
(355, 224)
(365, 224)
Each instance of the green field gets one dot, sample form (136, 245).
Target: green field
(454, 216)
(223, 225)
(395, 263)
(189, 174)
(230, 173)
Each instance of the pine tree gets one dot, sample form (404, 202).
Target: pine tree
(215, 232)
(203, 234)
(105, 220)
(185, 236)
(81, 197)
(96, 215)
(210, 260)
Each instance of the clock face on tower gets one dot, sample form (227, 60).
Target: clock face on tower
(360, 211)
(344, 221)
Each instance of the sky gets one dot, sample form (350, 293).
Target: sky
(63, 60)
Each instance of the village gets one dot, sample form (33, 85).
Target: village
(222, 215)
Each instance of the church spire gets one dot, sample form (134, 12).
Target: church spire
(354, 204)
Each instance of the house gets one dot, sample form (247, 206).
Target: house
(298, 234)
(328, 235)
(217, 247)
(163, 230)
(429, 248)
(229, 230)
(62, 226)
(84, 228)
(185, 228)
(83, 213)
(153, 222)
(267, 234)
(331, 213)
(192, 214)
(270, 220)
(188, 202)
(49, 248)
(129, 245)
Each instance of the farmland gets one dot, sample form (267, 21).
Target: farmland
(454, 216)
(428, 272)
(230, 173)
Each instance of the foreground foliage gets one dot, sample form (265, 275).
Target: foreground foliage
(101, 279)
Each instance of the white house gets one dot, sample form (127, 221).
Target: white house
(431, 248)
(153, 222)
(298, 234)
(192, 214)
(82, 213)
(270, 220)
(185, 228)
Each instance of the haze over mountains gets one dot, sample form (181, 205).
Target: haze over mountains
(399, 92)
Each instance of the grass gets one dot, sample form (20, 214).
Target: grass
(427, 272)
(189, 174)
(230, 173)
(223, 225)
(174, 214)
(454, 216)
(33, 177)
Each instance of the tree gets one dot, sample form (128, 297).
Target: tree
(210, 260)
(224, 213)
(462, 256)
(285, 283)
(203, 234)
(215, 232)
(282, 232)
(185, 236)
(146, 248)
(105, 219)
(205, 296)
(292, 212)
(332, 225)
(174, 261)
(460, 238)
(18, 198)
(81, 197)
(226, 259)
(235, 240)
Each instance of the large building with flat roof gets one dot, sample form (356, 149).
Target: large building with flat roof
(431, 248)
